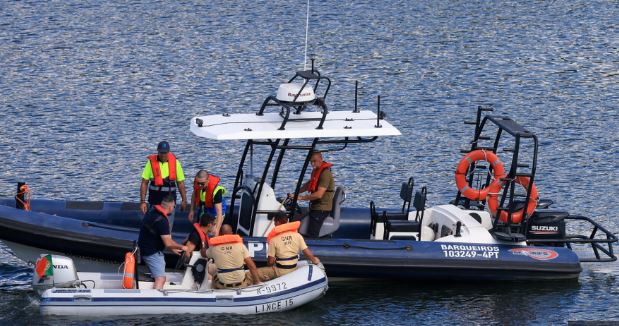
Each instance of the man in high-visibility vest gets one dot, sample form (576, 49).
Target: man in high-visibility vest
(162, 174)
(208, 197)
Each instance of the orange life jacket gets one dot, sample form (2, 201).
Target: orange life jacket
(203, 237)
(213, 181)
(313, 184)
(154, 164)
(282, 228)
(225, 239)
(161, 210)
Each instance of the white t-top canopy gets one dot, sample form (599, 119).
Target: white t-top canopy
(251, 126)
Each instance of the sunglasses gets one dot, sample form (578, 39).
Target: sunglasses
(201, 184)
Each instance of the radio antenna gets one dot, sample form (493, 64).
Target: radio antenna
(306, 32)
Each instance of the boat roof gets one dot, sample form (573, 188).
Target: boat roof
(247, 126)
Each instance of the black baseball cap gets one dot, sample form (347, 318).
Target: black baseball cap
(163, 147)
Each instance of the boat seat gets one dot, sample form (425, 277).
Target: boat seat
(402, 226)
(406, 194)
(331, 222)
(396, 225)
(404, 237)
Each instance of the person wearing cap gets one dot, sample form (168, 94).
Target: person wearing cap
(162, 174)
(208, 198)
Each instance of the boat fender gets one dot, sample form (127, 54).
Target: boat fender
(493, 202)
(287, 227)
(463, 167)
(129, 272)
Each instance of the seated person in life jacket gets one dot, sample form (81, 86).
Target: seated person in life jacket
(321, 188)
(155, 237)
(230, 255)
(285, 244)
(208, 198)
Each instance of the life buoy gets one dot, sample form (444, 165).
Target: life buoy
(287, 227)
(224, 239)
(465, 163)
(129, 272)
(493, 202)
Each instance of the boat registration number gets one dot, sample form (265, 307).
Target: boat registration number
(272, 288)
(274, 306)
(456, 251)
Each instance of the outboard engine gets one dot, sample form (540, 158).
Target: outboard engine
(54, 271)
(547, 224)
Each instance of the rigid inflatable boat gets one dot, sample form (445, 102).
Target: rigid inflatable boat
(65, 291)
(496, 228)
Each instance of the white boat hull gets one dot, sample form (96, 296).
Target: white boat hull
(306, 284)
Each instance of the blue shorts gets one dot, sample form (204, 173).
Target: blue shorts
(156, 264)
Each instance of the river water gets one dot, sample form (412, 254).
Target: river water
(88, 88)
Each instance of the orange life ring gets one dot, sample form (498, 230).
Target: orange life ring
(465, 163)
(129, 273)
(493, 202)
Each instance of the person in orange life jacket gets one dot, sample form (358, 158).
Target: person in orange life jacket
(207, 197)
(285, 243)
(230, 254)
(161, 175)
(321, 187)
(155, 236)
(198, 238)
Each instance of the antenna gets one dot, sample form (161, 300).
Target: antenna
(306, 32)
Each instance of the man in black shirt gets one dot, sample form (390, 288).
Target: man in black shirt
(198, 237)
(155, 237)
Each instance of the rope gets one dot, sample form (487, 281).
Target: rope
(25, 191)
(348, 246)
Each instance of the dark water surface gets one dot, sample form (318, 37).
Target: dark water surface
(88, 88)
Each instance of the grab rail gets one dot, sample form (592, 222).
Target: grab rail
(598, 245)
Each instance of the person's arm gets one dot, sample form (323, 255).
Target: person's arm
(315, 195)
(270, 261)
(181, 189)
(172, 245)
(304, 187)
(252, 269)
(220, 218)
(190, 248)
(143, 187)
(308, 253)
(203, 252)
(191, 208)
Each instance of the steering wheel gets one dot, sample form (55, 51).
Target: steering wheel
(288, 205)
